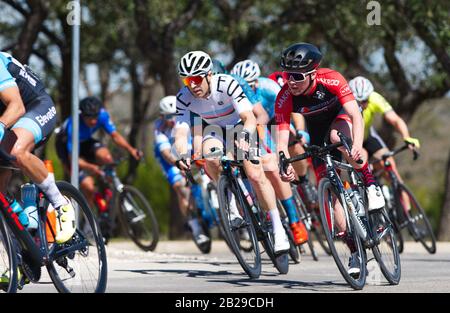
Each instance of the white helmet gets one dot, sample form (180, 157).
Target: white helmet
(195, 63)
(168, 105)
(247, 69)
(361, 88)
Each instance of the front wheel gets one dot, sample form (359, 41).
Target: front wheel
(386, 249)
(250, 258)
(8, 261)
(417, 221)
(78, 265)
(137, 217)
(345, 245)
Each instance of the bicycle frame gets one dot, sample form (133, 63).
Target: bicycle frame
(345, 200)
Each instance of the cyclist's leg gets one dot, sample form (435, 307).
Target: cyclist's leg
(30, 133)
(87, 186)
(102, 154)
(212, 165)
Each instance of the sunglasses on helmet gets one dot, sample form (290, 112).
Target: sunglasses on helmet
(193, 79)
(296, 76)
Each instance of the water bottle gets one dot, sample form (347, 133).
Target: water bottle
(29, 196)
(358, 203)
(23, 217)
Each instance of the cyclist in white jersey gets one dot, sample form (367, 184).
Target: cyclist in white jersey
(266, 91)
(218, 100)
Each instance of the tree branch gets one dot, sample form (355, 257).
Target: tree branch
(185, 18)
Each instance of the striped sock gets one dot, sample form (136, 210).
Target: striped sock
(368, 178)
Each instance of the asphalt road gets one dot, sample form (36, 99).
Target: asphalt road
(178, 267)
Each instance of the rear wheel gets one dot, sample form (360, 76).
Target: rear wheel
(138, 218)
(79, 265)
(340, 241)
(250, 260)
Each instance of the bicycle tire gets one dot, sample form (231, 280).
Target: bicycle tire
(8, 260)
(397, 229)
(87, 227)
(224, 185)
(134, 230)
(301, 212)
(426, 230)
(386, 250)
(280, 261)
(326, 218)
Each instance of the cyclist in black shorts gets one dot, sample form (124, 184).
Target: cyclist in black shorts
(93, 153)
(27, 119)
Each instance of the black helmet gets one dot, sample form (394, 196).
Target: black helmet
(302, 57)
(218, 67)
(90, 106)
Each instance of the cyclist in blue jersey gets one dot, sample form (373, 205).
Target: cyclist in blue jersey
(163, 152)
(27, 119)
(93, 153)
(265, 93)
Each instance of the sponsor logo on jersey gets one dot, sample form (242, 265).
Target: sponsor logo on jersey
(283, 98)
(44, 119)
(330, 82)
(319, 95)
(345, 90)
(29, 79)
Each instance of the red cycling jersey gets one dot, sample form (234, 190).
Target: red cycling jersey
(278, 78)
(321, 105)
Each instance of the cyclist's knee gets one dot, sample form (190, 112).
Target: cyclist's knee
(88, 186)
(104, 156)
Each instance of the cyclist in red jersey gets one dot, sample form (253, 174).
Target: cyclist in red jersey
(324, 98)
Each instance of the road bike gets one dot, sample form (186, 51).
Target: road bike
(352, 229)
(404, 209)
(129, 205)
(78, 265)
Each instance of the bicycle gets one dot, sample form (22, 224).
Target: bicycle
(413, 219)
(363, 230)
(68, 264)
(256, 223)
(130, 206)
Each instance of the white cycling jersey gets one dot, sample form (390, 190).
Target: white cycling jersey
(222, 107)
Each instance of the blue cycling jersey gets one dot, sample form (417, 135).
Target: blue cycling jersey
(266, 93)
(163, 141)
(248, 91)
(6, 79)
(85, 133)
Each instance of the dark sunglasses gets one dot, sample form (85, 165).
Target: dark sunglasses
(296, 77)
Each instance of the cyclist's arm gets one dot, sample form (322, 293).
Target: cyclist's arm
(167, 155)
(14, 106)
(181, 133)
(197, 141)
(249, 121)
(87, 166)
(262, 118)
(352, 109)
(299, 121)
(122, 142)
(392, 118)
